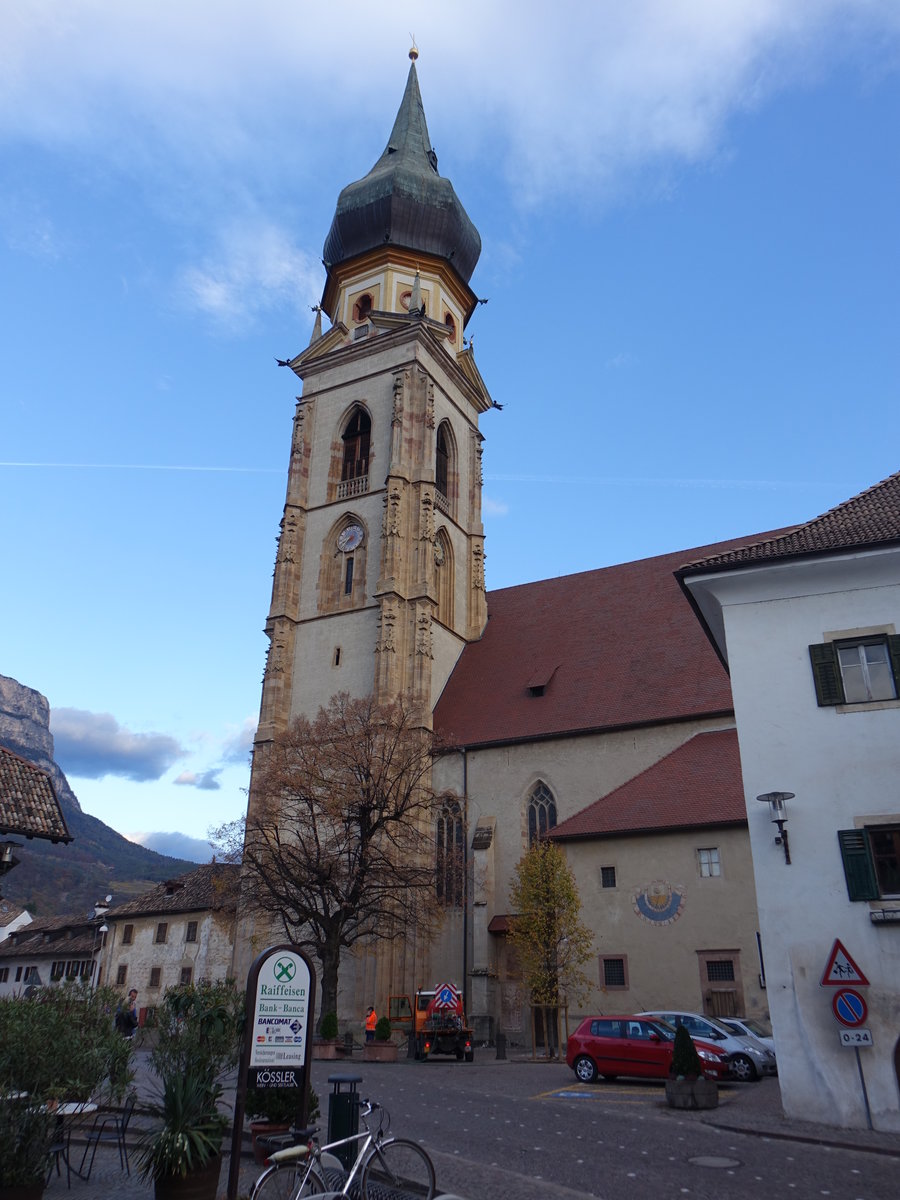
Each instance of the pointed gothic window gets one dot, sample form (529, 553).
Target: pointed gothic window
(443, 577)
(442, 462)
(445, 484)
(541, 812)
(356, 437)
(450, 854)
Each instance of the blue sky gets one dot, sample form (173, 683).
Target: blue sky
(689, 217)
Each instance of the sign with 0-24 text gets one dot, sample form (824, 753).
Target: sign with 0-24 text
(279, 1017)
(856, 1037)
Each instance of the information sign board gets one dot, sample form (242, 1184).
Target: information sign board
(278, 1019)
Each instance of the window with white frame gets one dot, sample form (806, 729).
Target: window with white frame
(541, 812)
(858, 670)
(708, 858)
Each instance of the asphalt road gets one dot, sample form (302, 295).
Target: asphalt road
(519, 1130)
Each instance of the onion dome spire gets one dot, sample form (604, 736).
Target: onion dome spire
(403, 201)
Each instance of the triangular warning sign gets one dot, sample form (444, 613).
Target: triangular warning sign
(841, 969)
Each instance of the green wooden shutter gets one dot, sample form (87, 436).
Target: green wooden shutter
(826, 674)
(894, 651)
(858, 866)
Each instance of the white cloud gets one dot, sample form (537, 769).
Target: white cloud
(93, 745)
(252, 270)
(574, 103)
(239, 742)
(494, 508)
(206, 781)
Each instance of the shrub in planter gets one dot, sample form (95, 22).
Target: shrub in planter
(199, 1028)
(685, 1059)
(383, 1030)
(329, 1027)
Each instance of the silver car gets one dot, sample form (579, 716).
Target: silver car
(751, 1027)
(748, 1059)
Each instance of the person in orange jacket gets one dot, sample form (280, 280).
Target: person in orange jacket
(371, 1022)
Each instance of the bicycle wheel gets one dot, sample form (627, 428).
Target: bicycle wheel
(288, 1181)
(397, 1165)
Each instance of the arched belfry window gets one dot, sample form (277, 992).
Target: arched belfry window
(541, 812)
(450, 854)
(356, 436)
(445, 468)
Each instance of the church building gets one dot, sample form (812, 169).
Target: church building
(590, 708)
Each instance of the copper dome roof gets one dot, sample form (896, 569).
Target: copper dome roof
(403, 201)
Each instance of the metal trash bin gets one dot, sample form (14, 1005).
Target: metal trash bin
(343, 1115)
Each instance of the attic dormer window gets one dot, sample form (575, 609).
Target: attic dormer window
(536, 689)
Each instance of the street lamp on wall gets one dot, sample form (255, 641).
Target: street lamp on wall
(777, 802)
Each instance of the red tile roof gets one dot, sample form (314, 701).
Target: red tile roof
(615, 647)
(870, 519)
(700, 783)
(28, 803)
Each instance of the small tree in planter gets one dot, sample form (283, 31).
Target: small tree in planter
(686, 1086)
(325, 1046)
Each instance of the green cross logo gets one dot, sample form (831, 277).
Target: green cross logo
(285, 969)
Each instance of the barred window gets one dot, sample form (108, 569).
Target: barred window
(614, 971)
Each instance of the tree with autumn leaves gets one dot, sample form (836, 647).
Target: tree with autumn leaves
(550, 941)
(339, 839)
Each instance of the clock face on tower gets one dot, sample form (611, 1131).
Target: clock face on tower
(349, 538)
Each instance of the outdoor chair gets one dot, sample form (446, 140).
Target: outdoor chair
(60, 1148)
(108, 1129)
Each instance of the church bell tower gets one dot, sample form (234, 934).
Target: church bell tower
(379, 575)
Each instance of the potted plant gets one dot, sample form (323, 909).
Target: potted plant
(687, 1087)
(56, 1045)
(272, 1110)
(198, 1028)
(325, 1045)
(382, 1049)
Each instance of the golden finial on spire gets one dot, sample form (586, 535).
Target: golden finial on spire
(413, 50)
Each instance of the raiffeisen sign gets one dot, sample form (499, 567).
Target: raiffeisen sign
(280, 1003)
(279, 1012)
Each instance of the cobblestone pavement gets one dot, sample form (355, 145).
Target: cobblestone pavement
(417, 1093)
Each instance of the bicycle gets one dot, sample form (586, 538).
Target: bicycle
(389, 1168)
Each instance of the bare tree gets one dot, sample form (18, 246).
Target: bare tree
(339, 840)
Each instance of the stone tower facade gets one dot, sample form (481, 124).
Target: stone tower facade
(379, 573)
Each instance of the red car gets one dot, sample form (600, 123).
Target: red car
(613, 1046)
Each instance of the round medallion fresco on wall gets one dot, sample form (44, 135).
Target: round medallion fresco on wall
(659, 902)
